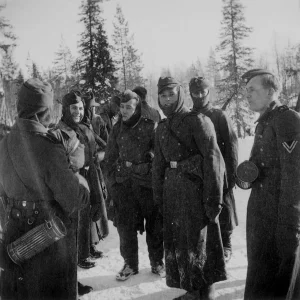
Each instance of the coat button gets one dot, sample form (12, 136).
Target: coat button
(261, 149)
(262, 164)
(261, 185)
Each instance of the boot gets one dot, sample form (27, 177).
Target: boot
(94, 253)
(207, 292)
(83, 289)
(86, 263)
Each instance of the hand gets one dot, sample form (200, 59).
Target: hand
(82, 181)
(96, 212)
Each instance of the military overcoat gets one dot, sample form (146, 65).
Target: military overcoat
(228, 144)
(34, 169)
(184, 147)
(273, 213)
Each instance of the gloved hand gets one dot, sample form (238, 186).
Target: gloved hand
(96, 212)
(213, 213)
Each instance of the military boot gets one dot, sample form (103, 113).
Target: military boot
(94, 253)
(86, 263)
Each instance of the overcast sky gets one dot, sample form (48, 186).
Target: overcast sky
(167, 32)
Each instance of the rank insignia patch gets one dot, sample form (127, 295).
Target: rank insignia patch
(289, 146)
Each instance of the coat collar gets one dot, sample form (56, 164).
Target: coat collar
(266, 114)
(30, 125)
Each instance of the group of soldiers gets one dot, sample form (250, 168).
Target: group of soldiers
(170, 177)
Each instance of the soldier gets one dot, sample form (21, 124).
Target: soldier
(188, 172)
(75, 137)
(273, 213)
(93, 125)
(147, 111)
(128, 160)
(97, 123)
(228, 144)
(110, 112)
(36, 181)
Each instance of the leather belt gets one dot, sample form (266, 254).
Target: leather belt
(23, 204)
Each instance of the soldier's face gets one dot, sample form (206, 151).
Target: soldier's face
(127, 109)
(168, 97)
(258, 97)
(77, 111)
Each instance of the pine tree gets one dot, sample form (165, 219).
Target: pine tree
(8, 66)
(7, 37)
(126, 56)
(35, 71)
(63, 61)
(29, 66)
(212, 71)
(235, 60)
(19, 81)
(95, 62)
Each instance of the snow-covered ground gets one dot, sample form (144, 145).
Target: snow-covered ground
(147, 286)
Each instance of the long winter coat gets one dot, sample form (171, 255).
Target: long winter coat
(273, 214)
(228, 144)
(193, 247)
(135, 145)
(34, 168)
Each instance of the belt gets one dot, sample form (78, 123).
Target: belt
(23, 204)
(20, 209)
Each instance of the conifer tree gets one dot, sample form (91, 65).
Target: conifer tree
(7, 37)
(63, 61)
(35, 71)
(95, 62)
(127, 58)
(236, 58)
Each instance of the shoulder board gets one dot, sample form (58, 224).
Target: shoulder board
(50, 137)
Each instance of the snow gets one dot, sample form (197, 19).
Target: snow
(147, 286)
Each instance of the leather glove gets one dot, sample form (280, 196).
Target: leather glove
(213, 213)
(96, 212)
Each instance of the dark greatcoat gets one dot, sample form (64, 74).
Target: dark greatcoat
(228, 144)
(150, 112)
(131, 189)
(34, 168)
(273, 213)
(193, 247)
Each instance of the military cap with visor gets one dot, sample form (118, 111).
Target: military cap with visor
(166, 83)
(253, 73)
(73, 97)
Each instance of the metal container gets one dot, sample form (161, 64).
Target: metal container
(246, 174)
(36, 240)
